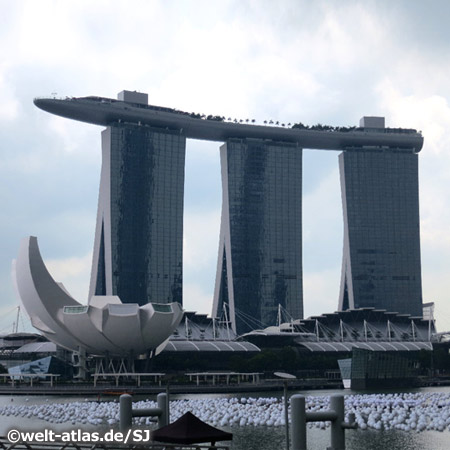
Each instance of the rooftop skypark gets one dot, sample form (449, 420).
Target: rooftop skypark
(105, 111)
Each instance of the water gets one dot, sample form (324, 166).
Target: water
(261, 438)
(270, 438)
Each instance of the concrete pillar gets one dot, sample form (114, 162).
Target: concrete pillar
(168, 402)
(298, 422)
(337, 426)
(286, 414)
(163, 419)
(126, 412)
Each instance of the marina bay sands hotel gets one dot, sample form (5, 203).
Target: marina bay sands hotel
(139, 232)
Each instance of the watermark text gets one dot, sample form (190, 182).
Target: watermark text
(80, 436)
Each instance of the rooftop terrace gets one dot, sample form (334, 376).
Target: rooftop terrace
(132, 108)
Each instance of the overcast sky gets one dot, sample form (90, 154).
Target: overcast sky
(311, 61)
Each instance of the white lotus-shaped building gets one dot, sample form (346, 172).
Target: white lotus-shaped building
(104, 326)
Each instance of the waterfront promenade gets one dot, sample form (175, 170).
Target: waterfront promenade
(190, 383)
(105, 389)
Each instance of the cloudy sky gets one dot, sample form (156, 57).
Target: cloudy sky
(291, 60)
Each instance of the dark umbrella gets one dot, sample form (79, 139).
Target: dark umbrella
(189, 429)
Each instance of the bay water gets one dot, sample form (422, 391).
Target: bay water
(251, 437)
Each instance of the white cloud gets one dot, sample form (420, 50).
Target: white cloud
(322, 245)
(322, 207)
(9, 105)
(323, 224)
(70, 136)
(436, 285)
(73, 273)
(427, 113)
(200, 249)
(201, 240)
(321, 291)
(196, 298)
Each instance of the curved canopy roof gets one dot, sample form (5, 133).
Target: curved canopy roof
(210, 346)
(374, 346)
(37, 347)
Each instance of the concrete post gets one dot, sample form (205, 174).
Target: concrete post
(298, 422)
(126, 412)
(167, 401)
(163, 419)
(337, 425)
(286, 415)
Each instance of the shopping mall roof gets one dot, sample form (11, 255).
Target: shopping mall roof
(210, 346)
(373, 346)
(37, 347)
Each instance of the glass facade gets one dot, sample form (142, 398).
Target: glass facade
(381, 261)
(371, 369)
(141, 214)
(260, 254)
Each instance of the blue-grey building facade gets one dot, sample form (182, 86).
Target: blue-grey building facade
(381, 257)
(260, 248)
(138, 249)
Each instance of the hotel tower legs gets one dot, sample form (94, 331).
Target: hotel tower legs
(260, 247)
(139, 232)
(381, 259)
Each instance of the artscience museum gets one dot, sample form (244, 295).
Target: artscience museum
(104, 326)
